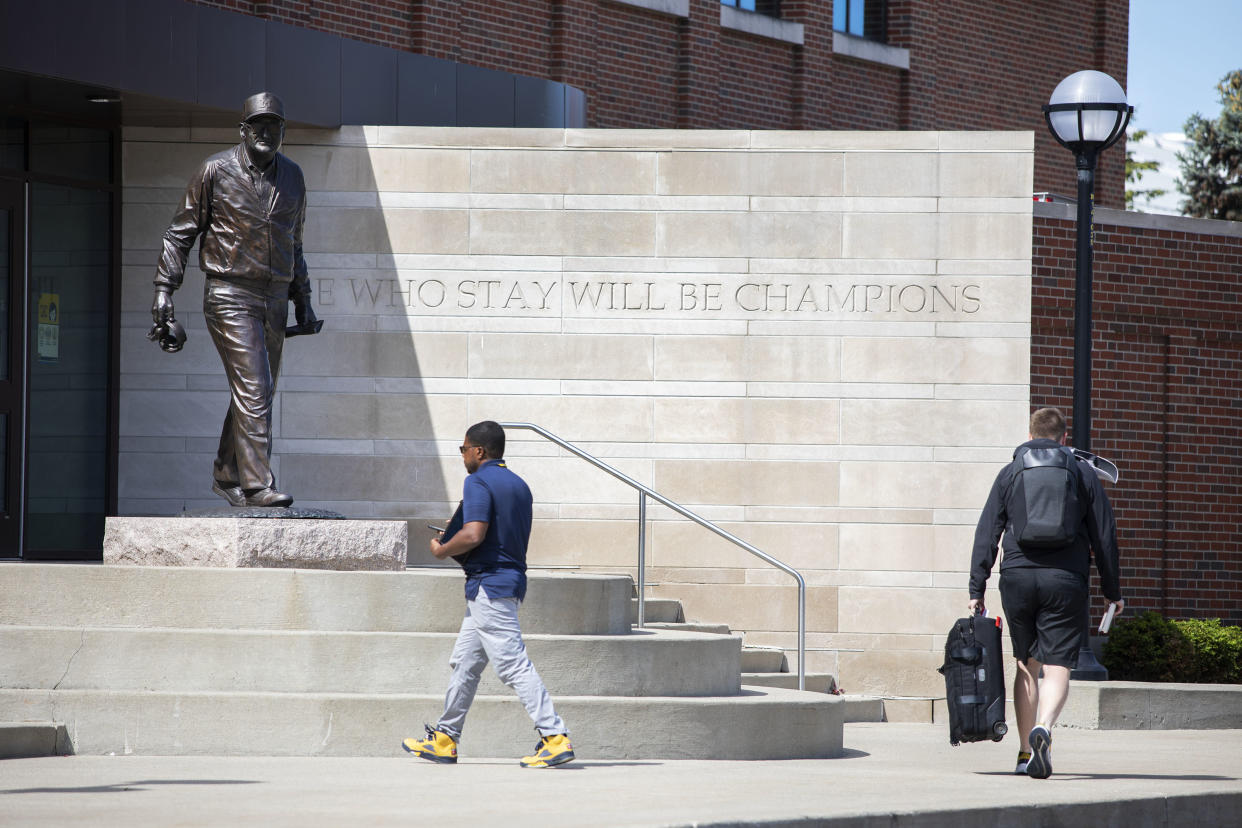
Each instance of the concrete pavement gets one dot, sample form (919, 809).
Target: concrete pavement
(892, 775)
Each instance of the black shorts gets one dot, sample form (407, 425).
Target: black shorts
(1047, 613)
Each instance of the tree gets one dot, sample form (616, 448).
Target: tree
(1135, 170)
(1212, 163)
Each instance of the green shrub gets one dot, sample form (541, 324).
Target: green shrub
(1218, 650)
(1149, 648)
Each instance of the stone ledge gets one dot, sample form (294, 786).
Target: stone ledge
(27, 740)
(234, 542)
(1135, 705)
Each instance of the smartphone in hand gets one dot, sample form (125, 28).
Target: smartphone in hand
(439, 529)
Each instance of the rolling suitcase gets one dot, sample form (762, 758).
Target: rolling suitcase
(974, 680)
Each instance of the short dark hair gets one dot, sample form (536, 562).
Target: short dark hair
(1048, 423)
(490, 436)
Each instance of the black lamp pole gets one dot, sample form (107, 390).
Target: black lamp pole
(1086, 153)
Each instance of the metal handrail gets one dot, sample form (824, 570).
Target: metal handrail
(643, 493)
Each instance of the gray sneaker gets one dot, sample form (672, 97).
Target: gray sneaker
(1040, 766)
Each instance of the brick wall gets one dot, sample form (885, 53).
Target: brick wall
(969, 69)
(1166, 391)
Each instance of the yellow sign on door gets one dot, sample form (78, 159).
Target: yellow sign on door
(49, 327)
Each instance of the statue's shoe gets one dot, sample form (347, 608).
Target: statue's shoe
(233, 494)
(268, 497)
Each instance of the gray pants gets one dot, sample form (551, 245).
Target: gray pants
(490, 631)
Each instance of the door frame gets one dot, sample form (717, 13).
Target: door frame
(13, 196)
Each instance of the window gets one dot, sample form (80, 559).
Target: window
(772, 8)
(861, 18)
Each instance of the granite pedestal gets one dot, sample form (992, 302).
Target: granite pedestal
(229, 540)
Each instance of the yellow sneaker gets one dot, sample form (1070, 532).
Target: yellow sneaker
(551, 750)
(437, 747)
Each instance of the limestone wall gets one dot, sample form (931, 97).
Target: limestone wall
(819, 340)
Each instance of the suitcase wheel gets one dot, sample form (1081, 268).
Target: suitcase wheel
(999, 730)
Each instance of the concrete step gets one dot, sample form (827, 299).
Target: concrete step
(863, 708)
(815, 682)
(645, 663)
(416, 600)
(658, 610)
(759, 724)
(27, 740)
(764, 660)
(692, 626)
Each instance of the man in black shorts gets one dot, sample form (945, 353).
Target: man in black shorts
(1044, 589)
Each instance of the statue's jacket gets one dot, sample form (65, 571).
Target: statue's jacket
(247, 240)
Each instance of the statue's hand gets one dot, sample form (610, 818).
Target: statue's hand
(303, 312)
(162, 307)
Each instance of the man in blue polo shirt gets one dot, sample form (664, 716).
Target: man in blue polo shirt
(488, 538)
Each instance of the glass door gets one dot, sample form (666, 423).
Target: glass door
(12, 361)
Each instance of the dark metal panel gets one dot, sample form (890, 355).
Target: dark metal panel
(231, 58)
(304, 71)
(160, 55)
(575, 108)
(89, 35)
(20, 49)
(426, 91)
(485, 97)
(368, 83)
(538, 103)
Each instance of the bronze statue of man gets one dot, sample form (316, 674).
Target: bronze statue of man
(248, 204)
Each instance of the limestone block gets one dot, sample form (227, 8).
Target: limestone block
(167, 162)
(368, 416)
(424, 231)
(989, 174)
(683, 544)
(700, 420)
(700, 358)
(172, 413)
(658, 138)
(612, 173)
(345, 230)
(890, 236)
(517, 171)
(909, 141)
(908, 174)
(796, 235)
(569, 479)
(613, 233)
(986, 140)
(322, 477)
(982, 360)
(730, 482)
(561, 357)
(334, 168)
(256, 542)
(796, 173)
(420, 170)
(910, 422)
(896, 610)
(144, 226)
(376, 354)
(716, 234)
(584, 543)
(574, 418)
(793, 358)
(908, 547)
(704, 173)
(517, 232)
(801, 422)
(985, 235)
(916, 485)
(891, 673)
(746, 608)
(157, 475)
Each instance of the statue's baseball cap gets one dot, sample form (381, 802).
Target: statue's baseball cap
(264, 103)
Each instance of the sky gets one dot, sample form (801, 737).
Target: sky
(1178, 53)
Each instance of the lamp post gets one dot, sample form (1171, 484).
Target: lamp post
(1087, 114)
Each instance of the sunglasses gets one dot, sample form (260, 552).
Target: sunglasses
(462, 449)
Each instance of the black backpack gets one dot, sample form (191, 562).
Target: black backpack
(1045, 498)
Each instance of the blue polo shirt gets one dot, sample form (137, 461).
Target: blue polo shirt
(498, 496)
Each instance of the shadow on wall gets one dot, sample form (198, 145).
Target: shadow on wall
(353, 429)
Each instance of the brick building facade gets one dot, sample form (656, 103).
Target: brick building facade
(696, 64)
(1166, 385)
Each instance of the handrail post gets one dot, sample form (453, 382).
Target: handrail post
(801, 633)
(642, 558)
